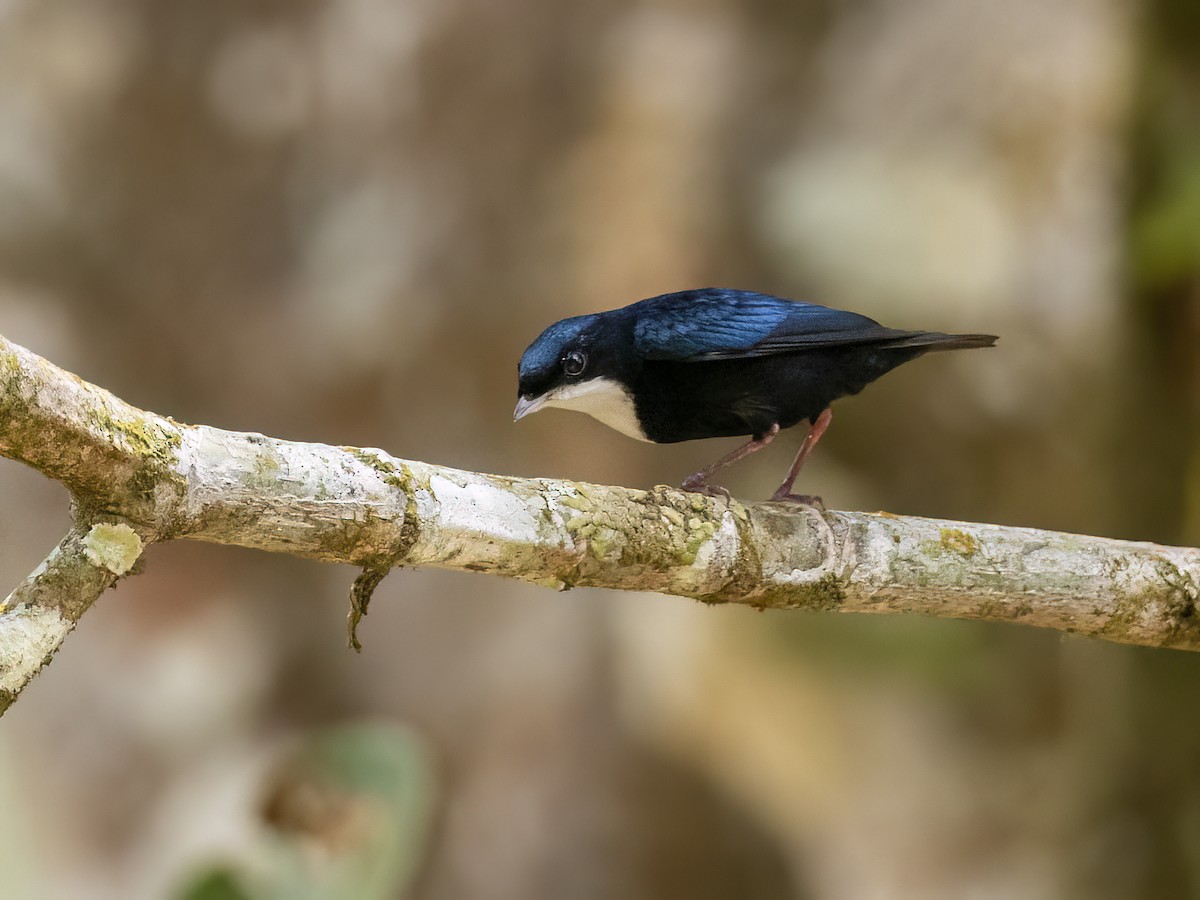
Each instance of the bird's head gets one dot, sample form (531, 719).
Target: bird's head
(584, 363)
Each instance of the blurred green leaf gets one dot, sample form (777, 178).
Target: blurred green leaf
(215, 884)
(345, 817)
(1165, 234)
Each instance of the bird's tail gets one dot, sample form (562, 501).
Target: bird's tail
(936, 340)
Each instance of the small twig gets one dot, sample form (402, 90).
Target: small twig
(42, 611)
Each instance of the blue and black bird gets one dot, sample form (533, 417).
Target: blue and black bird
(717, 363)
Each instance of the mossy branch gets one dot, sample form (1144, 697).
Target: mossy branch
(138, 478)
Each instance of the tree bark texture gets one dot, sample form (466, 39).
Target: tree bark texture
(138, 478)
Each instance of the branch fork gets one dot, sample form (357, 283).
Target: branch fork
(138, 478)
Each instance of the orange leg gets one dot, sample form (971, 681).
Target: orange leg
(784, 491)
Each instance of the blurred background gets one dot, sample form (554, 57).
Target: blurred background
(343, 221)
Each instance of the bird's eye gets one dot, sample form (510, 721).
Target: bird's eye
(574, 363)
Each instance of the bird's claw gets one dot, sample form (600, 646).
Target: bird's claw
(703, 487)
(804, 499)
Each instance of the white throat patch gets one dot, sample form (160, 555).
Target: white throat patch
(604, 400)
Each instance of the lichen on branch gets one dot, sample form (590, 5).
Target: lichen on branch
(138, 478)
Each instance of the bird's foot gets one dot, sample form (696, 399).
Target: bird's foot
(782, 496)
(699, 486)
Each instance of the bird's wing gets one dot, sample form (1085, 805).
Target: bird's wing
(718, 324)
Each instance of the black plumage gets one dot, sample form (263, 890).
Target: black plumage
(717, 363)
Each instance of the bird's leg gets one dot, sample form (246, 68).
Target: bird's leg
(699, 481)
(784, 491)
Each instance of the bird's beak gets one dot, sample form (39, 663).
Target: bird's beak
(527, 405)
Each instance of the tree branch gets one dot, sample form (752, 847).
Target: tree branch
(163, 481)
(40, 613)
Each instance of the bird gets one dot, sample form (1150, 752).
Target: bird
(717, 362)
